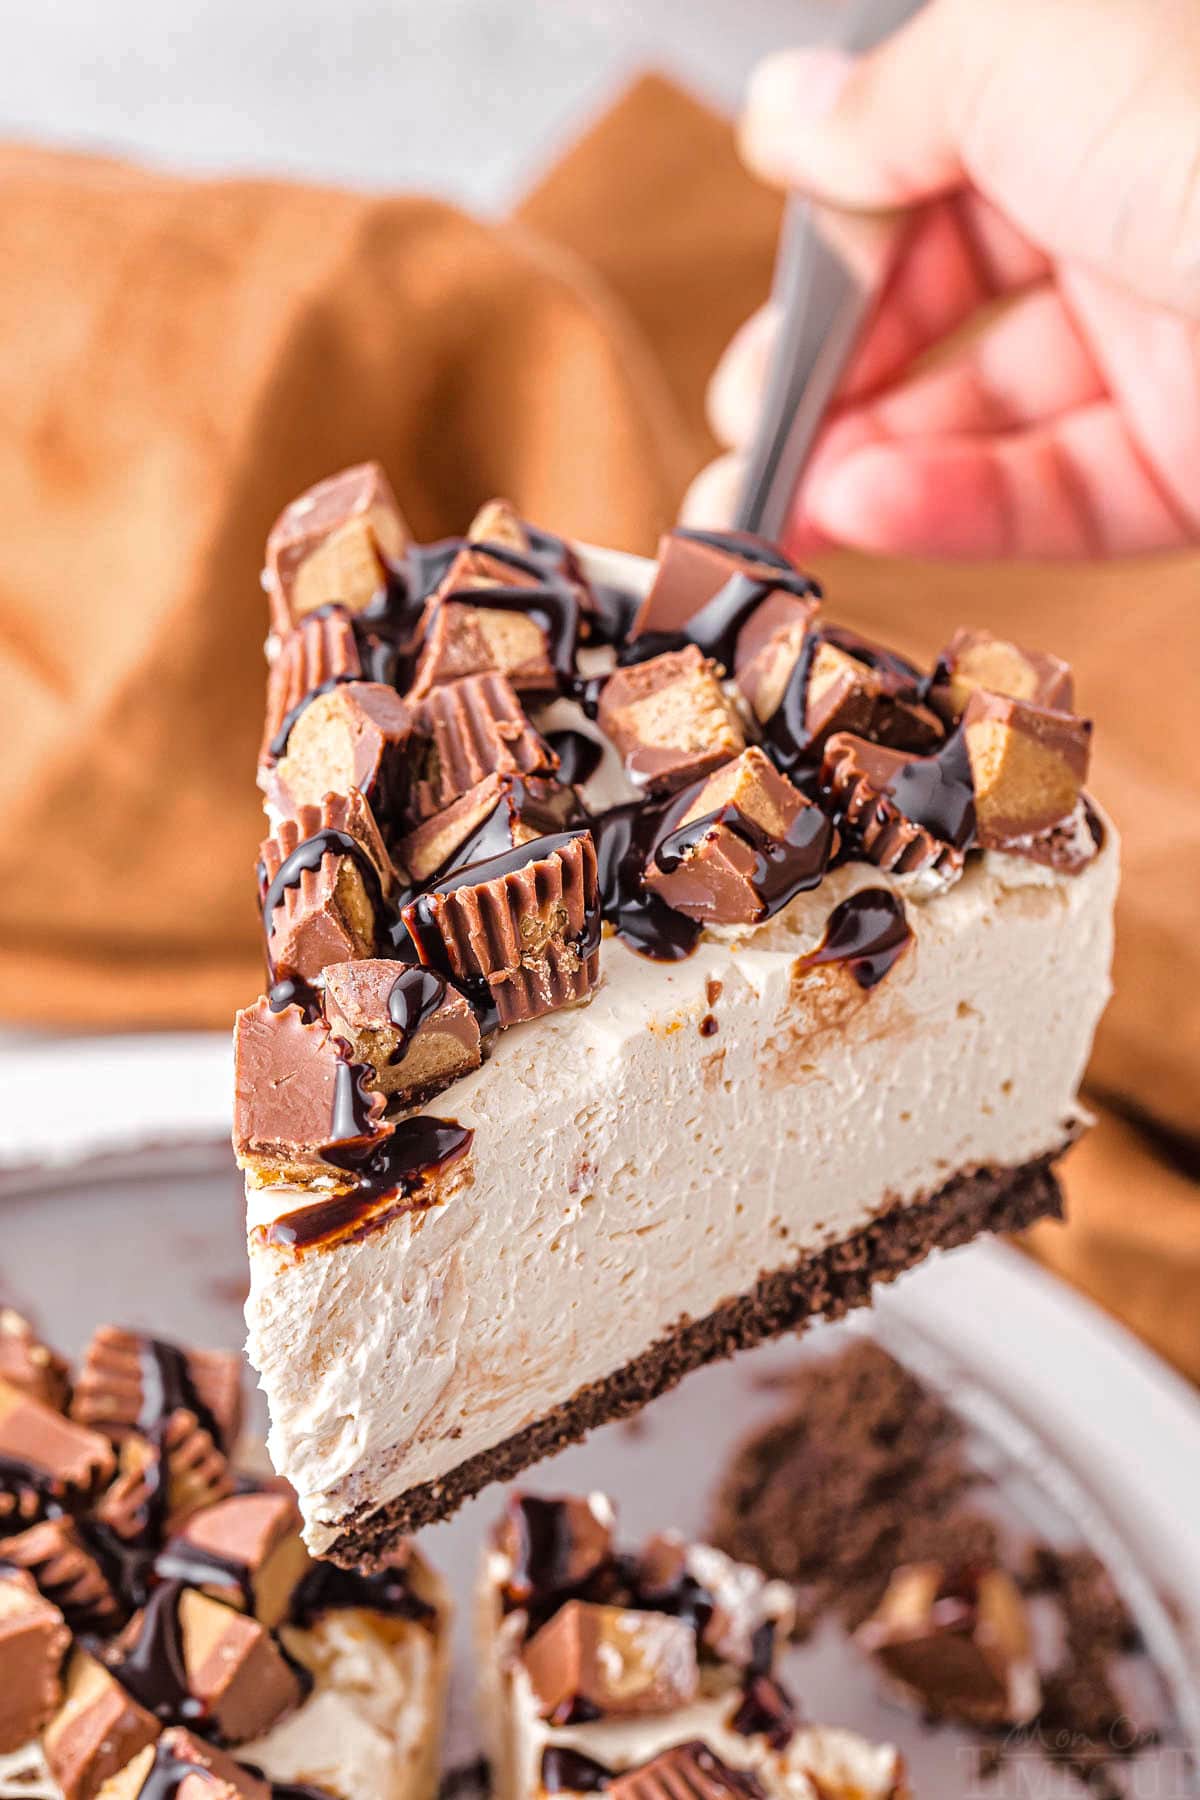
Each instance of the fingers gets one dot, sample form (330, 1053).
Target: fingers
(711, 501)
(961, 256)
(1077, 486)
(871, 133)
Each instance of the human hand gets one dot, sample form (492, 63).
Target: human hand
(1055, 147)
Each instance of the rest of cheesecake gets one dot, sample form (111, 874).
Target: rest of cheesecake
(646, 1675)
(163, 1630)
(653, 965)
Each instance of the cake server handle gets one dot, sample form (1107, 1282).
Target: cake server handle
(829, 270)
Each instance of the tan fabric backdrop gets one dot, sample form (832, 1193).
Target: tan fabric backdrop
(178, 359)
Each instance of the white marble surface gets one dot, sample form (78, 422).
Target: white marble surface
(465, 98)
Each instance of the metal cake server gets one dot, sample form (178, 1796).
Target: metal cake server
(830, 268)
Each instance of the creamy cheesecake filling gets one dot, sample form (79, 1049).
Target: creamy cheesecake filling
(637, 1161)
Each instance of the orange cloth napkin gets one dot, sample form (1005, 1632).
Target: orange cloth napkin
(178, 359)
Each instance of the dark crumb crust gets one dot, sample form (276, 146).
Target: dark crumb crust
(824, 1285)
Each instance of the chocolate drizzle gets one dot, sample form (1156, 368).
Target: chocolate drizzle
(399, 1164)
(868, 932)
(937, 792)
(569, 1771)
(578, 756)
(308, 856)
(784, 867)
(414, 996)
(625, 839)
(327, 1588)
(182, 1561)
(153, 1669)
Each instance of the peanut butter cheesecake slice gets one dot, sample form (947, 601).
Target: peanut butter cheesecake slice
(653, 964)
(646, 1675)
(163, 1630)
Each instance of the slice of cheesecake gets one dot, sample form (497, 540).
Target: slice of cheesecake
(149, 1593)
(653, 966)
(646, 1675)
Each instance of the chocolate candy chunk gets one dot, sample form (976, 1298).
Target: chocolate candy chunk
(526, 924)
(160, 1484)
(846, 694)
(318, 655)
(97, 1729)
(245, 1550)
(332, 546)
(553, 1545)
(498, 814)
(765, 1710)
(185, 1768)
(29, 1364)
(1028, 765)
(295, 1096)
(709, 587)
(857, 778)
(352, 737)
(976, 659)
(590, 1662)
(498, 522)
(66, 1572)
(769, 646)
(690, 1769)
(462, 638)
(324, 878)
(33, 1642)
(746, 843)
(187, 1648)
(957, 1643)
(129, 1382)
(670, 720)
(414, 1030)
(468, 730)
(46, 1461)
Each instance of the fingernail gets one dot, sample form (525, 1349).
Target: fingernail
(790, 88)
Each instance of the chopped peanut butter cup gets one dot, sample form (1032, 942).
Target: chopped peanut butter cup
(324, 877)
(66, 1573)
(670, 720)
(746, 843)
(414, 1030)
(354, 736)
(296, 1096)
(498, 814)
(977, 659)
(693, 1770)
(33, 1642)
(46, 1460)
(592, 1661)
(97, 1729)
(333, 545)
(244, 1550)
(1028, 766)
(186, 1768)
(857, 778)
(466, 731)
(320, 653)
(482, 618)
(29, 1364)
(129, 1382)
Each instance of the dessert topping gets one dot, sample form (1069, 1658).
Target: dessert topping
(868, 931)
(976, 659)
(857, 781)
(553, 1545)
(743, 844)
(499, 813)
(33, 1642)
(333, 545)
(245, 1550)
(692, 1769)
(957, 1641)
(297, 1095)
(490, 612)
(470, 729)
(592, 1661)
(670, 720)
(48, 1464)
(29, 1364)
(181, 1766)
(319, 654)
(710, 589)
(354, 735)
(66, 1572)
(1028, 765)
(128, 1382)
(414, 1030)
(97, 1729)
(324, 878)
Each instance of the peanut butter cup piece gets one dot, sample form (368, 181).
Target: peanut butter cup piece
(769, 646)
(34, 1639)
(295, 1096)
(957, 1643)
(466, 731)
(745, 844)
(29, 1364)
(690, 1769)
(161, 1482)
(186, 1768)
(526, 923)
(499, 522)
(353, 737)
(846, 694)
(98, 1728)
(234, 1671)
(46, 1460)
(324, 876)
(857, 778)
(245, 1550)
(670, 720)
(414, 1030)
(499, 813)
(977, 659)
(463, 637)
(553, 1544)
(1028, 765)
(591, 1662)
(735, 577)
(130, 1382)
(66, 1572)
(318, 654)
(332, 546)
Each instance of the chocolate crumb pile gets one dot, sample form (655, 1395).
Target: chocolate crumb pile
(861, 1489)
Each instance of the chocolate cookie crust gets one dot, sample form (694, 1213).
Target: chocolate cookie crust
(825, 1284)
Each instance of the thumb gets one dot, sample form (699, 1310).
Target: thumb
(866, 132)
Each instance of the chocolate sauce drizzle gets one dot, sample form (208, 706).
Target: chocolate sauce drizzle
(308, 856)
(938, 793)
(868, 932)
(578, 756)
(569, 1771)
(625, 839)
(397, 1166)
(327, 1588)
(783, 867)
(153, 1669)
(413, 997)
